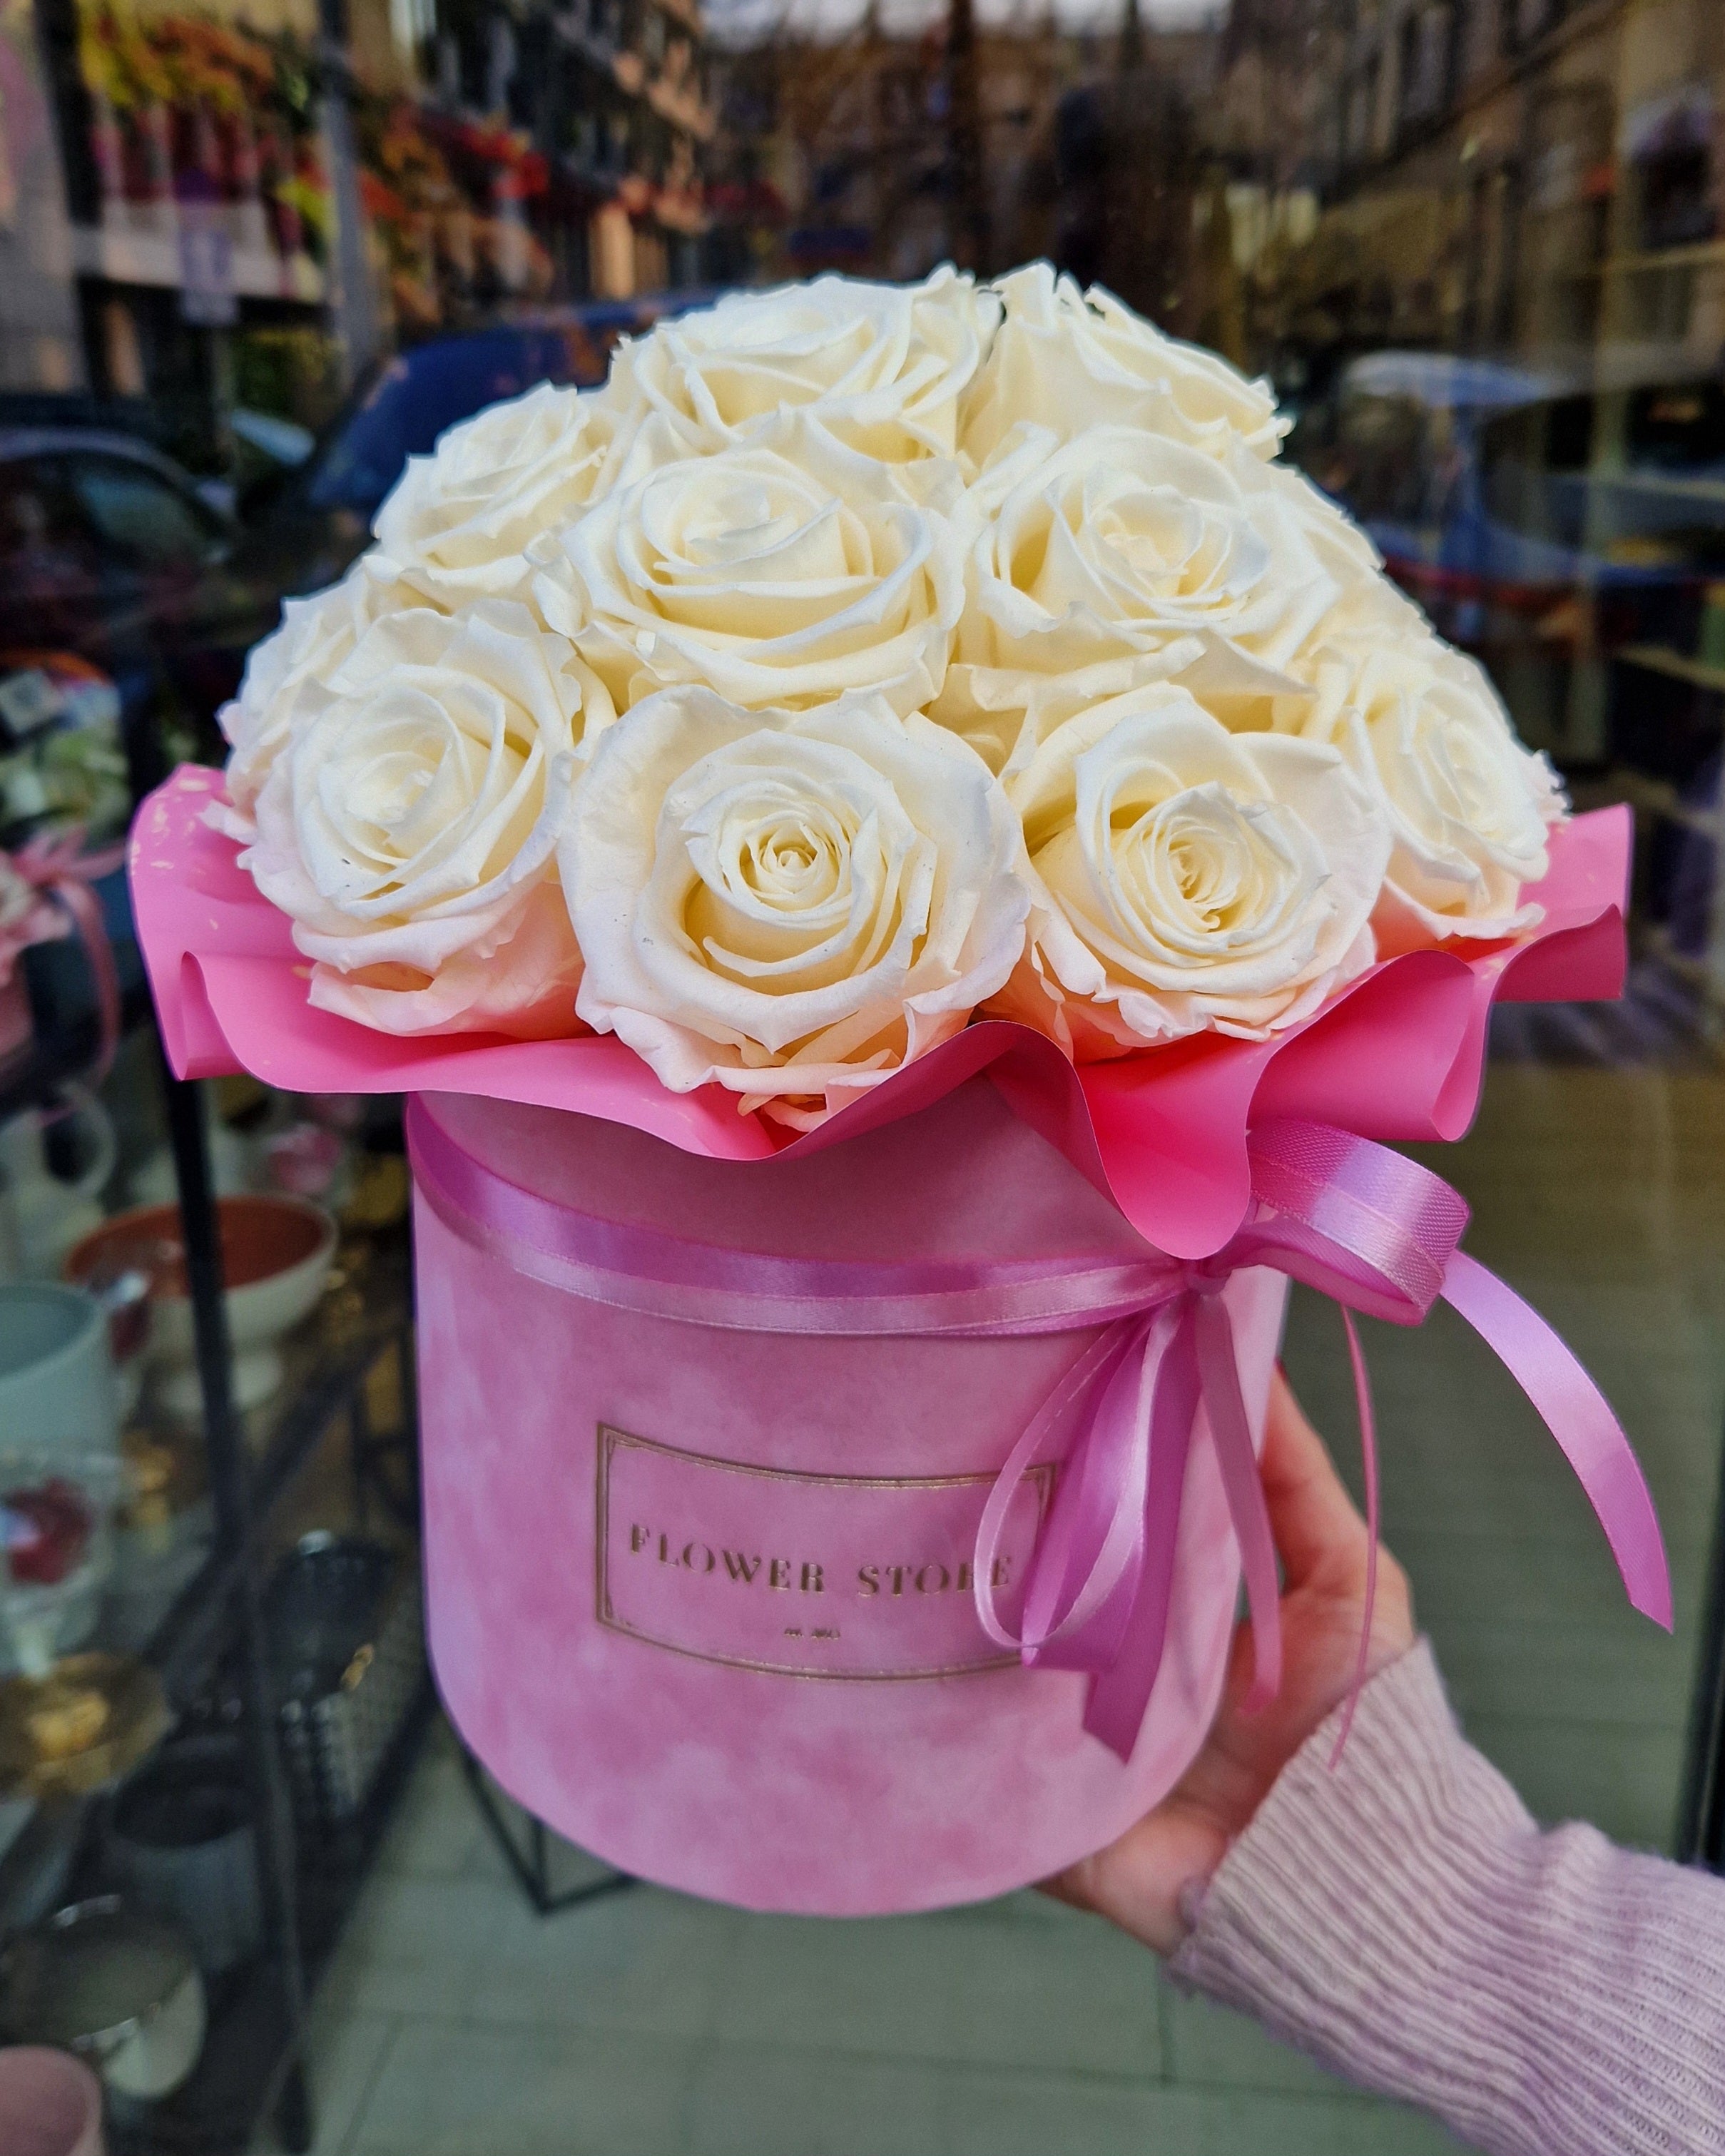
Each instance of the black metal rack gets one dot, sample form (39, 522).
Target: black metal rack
(255, 2059)
(1700, 1811)
(531, 1865)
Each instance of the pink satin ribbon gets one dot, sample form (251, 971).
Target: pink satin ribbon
(54, 866)
(1374, 1231)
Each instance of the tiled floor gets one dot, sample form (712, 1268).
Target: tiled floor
(454, 2021)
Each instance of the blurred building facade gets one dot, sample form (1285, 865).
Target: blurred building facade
(1519, 176)
(884, 153)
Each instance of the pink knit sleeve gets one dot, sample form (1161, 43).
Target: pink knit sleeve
(1404, 1919)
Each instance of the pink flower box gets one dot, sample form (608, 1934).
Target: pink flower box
(700, 1597)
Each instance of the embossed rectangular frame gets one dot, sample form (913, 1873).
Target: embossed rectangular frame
(1041, 1476)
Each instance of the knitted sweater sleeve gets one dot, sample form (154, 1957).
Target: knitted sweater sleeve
(1403, 1919)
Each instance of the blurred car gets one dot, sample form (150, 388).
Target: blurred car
(97, 531)
(1570, 529)
(111, 552)
(304, 524)
(107, 552)
(1498, 494)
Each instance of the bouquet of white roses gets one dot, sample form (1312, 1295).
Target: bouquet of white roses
(856, 660)
(931, 722)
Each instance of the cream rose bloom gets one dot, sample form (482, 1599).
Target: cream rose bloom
(1066, 359)
(1189, 878)
(286, 678)
(408, 826)
(789, 905)
(1119, 558)
(460, 522)
(786, 571)
(882, 366)
(1468, 806)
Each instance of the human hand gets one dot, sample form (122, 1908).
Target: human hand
(1140, 1882)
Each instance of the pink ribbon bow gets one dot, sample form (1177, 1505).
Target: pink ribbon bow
(53, 865)
(1378, 1234)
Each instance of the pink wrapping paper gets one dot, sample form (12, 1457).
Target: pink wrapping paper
(1398, 1055)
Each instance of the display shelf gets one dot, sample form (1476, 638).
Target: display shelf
(247, 2053)
(1659, 658)
(192, 1621)
(200, 1614)
(254, 2058)
(192, 1631)
(39, 1841)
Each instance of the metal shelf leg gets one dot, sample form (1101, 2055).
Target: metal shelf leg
(1701, 1817)
(230, 1487)
(532, 1870)
(293, 2112)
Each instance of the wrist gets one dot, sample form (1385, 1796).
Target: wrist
(1152, 1881)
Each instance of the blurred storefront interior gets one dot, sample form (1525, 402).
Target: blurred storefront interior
(239, 206)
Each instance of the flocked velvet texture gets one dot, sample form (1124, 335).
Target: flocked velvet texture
(841, 1796)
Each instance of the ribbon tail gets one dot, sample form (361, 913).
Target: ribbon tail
(1368, 1462)
(1231, 1435)
(1576, 1413)
(1119, 1693)
(1087, 1568)
(1089, 1540)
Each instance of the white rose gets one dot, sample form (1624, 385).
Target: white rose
(1468, 806)
(409, 825)
(287, 674)
(1065, 360)
(1122, 558)
(460, 522)
(882, 366)
(786, 571)
(791, 905)
(1190, 877)
(1343, 548)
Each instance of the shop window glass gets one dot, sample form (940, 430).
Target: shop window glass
(142, 518)
(45, 549)
(1382, 470)
(1476, 246)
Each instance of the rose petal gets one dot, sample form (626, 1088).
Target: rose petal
(785, 572)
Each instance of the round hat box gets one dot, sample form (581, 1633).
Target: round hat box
(699, 1593)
